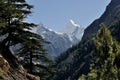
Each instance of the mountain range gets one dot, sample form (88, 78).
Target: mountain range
(62, 40)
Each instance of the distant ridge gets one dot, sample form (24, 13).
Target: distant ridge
(60, 41)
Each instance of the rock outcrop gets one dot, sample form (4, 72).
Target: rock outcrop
(10, 69)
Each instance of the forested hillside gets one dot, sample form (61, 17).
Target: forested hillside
(78, 59)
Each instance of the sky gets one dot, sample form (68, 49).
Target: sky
(55, 14)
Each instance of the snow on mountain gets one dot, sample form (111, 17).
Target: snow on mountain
(73, 29)
(60, 41)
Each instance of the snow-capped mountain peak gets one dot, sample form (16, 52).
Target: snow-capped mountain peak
(60, 41)
(71, 22)
(73, 29)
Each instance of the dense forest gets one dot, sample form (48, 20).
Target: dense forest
(95, 57)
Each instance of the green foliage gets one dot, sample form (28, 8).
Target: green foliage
(104, 44)
(83, 77)
(12, 24)
(14, 30)
(106, 52)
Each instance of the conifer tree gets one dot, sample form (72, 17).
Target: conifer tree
(12, 24)
(14, 30)
(106, 50)
(106, 57)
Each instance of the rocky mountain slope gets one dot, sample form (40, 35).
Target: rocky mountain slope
(60, 41)
(10, 69)
(110, 14)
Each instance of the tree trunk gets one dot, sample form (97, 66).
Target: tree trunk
(31, 63)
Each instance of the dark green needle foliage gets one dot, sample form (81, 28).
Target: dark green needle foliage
(14, 30)
(106, 57)
(12, 24)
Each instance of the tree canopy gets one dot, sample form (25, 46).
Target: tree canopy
(14, 30)
(106, 58)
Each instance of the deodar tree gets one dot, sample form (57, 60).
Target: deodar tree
(15, 30)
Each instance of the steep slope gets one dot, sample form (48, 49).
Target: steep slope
(10, 69)
(79, 57)
(108, 16)
(60, 41)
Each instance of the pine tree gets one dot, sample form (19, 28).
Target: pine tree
(106, 56)
(12, 25)
(35, 60)
(106, 51)
(14, 30)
